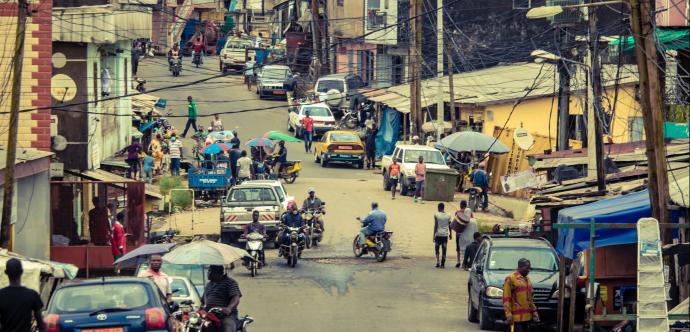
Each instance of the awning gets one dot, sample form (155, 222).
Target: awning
(670, 39)
(101, 175)
(34, 268)
(626, 209)
(144, 103)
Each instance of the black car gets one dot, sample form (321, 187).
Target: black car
(495, 260)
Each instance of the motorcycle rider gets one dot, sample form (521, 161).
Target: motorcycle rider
(256, 227)
(375, 222)
(280, 158)
(291, 219)
(173, 54)
(313, 203)
(222, 292)
(198, 48)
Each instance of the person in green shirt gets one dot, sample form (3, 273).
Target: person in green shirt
(191, 116)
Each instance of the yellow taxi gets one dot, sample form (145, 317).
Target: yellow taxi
(343, 146)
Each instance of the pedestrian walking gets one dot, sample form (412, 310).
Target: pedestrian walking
(136, 50)
(148, 167)
(235, 140)
(289, 86)
(370, 142)
(481, 179)
(307, 131)
(420, 176)
(235, 155)
(156, 150)
(19, 305)
(249, 73)
(441, 234)
(191, 116)
(518, 303)
(216, 124)
(393, 177)
(471, 251)
(118, 244)
(465, 232)
(244, 167)
(133, 152)
(157, 276)
(175, 148)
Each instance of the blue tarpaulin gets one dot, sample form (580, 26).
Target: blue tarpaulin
(621, 209)
(388, 133)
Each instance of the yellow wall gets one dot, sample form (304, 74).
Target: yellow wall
(534, 114)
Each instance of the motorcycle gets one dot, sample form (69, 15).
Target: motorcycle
(290, 170)
(292, 251)
(254, 246)
(313, 233)
(474, 201)
(176, 66)
(350, 119)
(140, 85)
(211, 321)
(196, 60)
(378, 244)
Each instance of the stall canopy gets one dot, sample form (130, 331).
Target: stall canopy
(34, 269)
(670, 39)
(621, 209)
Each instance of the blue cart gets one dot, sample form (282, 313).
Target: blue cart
(210, 180)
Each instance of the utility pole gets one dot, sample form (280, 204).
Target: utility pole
(415, 59)
(651, 101)
(595, 163)
(8, 190)
(451, 90)
(563, 94)
(316, 36)
(440, 107)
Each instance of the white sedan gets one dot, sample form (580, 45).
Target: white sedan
(321, 113)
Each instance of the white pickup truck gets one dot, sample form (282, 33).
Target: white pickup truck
(268, 197)
(407, 156)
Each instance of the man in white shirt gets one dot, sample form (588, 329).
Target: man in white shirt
(175, 147)
(244, 167)
(159, 278)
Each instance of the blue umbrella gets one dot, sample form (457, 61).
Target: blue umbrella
(260, 142)
(215, 148)
(143, 253)
(146, 126)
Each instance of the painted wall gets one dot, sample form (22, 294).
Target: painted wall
(345, 18)
(34, 127)
(534, 114)
(32, 228)
(672, 13)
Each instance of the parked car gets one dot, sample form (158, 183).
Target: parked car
(495, 260)
(236, 209)
(279, 188)
(407, 156)
(340, 146)
(321, 113)
(112, 304)
(183, 290)
(233, 55)
(270, 81)
(339, 91)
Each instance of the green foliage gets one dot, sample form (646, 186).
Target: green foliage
(179, 199)
(678, 113)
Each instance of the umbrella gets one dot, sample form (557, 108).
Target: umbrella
(146, 126)
(215, 148)
(260, 142)
(468, 141)
(205, 252)
(278, 136)
(225, 135)
(143, 253)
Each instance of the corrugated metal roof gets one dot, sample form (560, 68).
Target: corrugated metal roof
(101, 24)
(23, 155)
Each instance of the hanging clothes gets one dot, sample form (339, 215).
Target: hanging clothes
(105, 82)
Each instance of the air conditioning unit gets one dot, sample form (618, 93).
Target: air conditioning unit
(567, 17)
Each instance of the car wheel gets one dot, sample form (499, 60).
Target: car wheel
(386, 182)
(485, 322)
(289, 126)
(324, 162)
(403, 188)
(471, 311)
(298, 133)
(317, 159)
(360, 164)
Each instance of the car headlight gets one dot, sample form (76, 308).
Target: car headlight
(556, 293)
(494, 292)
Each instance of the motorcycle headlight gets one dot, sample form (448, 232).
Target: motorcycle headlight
(494, 292)
(293, 235)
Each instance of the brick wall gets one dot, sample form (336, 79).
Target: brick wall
(34, 126)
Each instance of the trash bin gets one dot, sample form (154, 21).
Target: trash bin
(440, 184)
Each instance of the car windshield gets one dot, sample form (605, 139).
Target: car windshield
(89, 298)
(179, 288)
(252, 195)
(237, 45)
(541, 259)
(344, 137)
(196, 274)
(281, 193)
(275, 73)
(317, 111)
(325, 85)
(430, 156)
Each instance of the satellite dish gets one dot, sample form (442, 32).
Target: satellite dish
(59, 143)
(523, 139)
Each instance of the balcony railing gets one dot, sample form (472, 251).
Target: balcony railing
(376, 19)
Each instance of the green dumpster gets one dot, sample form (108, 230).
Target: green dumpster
(440, 184)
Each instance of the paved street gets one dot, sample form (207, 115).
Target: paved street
(329, 289)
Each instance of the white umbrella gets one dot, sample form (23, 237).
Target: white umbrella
(205, 252)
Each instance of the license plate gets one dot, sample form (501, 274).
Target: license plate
(279, 92)
(345, 147)
(108, 329)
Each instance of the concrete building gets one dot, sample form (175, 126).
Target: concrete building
(91, 77)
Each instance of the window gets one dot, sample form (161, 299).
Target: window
(343, 137)
(540, 259)
(636, 128)
(179, 288)
(376, 17)
(317, 111)
(325, 85)
(252, 195)
(88, 298)
(430, 156)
